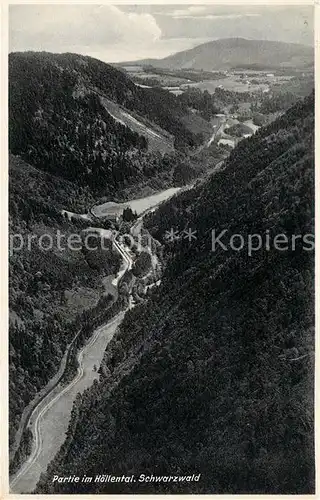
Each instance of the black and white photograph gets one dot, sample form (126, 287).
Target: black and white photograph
(161, 250)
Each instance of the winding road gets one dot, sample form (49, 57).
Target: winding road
(49, 428)
(49, 419)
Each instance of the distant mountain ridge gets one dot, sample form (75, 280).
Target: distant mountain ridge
(227, 53)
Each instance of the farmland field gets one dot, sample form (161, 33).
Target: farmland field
(231, 83)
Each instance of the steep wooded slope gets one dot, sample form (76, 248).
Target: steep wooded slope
(59, 121)
(214, 374)
(50, 285)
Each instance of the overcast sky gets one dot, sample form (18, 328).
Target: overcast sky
(127, 32)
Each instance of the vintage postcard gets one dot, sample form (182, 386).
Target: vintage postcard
(161, 249)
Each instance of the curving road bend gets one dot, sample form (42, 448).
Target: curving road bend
(50, 420)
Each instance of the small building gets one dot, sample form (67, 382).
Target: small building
(112, 217)
(227, 142)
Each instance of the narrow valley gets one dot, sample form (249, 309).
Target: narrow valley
(161, 250)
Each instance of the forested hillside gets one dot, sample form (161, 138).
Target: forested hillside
(214, 373)
(69, 145)
(59, 123)
(50, 286)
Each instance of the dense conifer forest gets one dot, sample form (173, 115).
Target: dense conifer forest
(59, 124)
(214, 373)
(67, 149)
(49, 288)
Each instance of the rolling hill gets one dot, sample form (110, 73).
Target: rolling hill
(228, 53)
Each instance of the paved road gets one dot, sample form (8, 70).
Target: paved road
(217, 129)
(46, 429)
(28, 412)
(50, 420)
